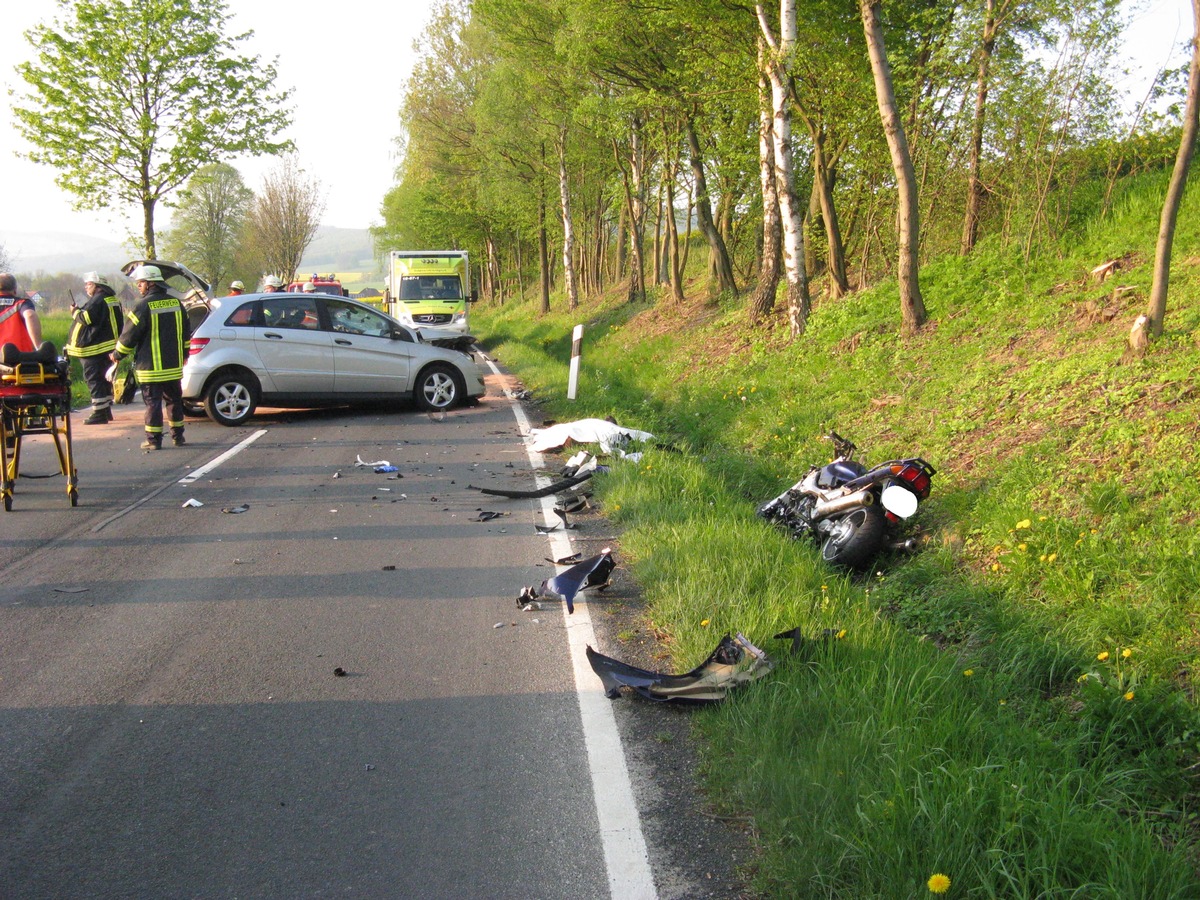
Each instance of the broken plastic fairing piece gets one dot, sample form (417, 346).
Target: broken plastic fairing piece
(735, 661)
(591, 572)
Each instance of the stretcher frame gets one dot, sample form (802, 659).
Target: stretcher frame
(35, 398)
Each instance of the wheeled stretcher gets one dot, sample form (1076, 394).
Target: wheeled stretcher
(35, 398)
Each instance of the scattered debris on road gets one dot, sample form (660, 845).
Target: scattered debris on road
(734, 662)
(592, 572)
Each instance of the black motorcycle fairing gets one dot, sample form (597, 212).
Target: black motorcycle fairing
(839, 472)
(709, 682)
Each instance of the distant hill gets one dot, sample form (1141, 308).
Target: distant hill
(333, 250)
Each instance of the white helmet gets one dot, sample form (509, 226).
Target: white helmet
(273, 281)
(95, 278)
(236, 286)
(309, 287)
(146, 273)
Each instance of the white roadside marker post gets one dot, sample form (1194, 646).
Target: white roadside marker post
(576, 345)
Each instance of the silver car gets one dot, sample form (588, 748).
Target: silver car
(308, 350)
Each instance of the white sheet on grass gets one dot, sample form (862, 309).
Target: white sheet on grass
(586, 431)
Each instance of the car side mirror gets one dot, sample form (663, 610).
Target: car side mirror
(474, 298)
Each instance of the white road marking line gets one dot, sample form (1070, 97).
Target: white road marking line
(231, 452)
(625, 855)
(188, 479)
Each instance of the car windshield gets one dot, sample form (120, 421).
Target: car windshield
(430, 287)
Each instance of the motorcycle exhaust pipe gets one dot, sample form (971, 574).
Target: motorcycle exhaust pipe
(857, 500)
(906, 546)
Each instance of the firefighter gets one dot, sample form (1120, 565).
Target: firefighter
(271, 284)
(94, 329)
(157, 333)
(236, 289)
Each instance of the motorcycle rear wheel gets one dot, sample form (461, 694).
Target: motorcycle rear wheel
(855, 539)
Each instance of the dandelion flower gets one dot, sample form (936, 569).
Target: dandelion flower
(1052, 557)
(1022, 547)
(1082, 678)
(938, 883)
(967, 673)
(841, 634)
(1129, 695)
(1024, 523)
(1102, 655)
(1126, 653)
(704, 623)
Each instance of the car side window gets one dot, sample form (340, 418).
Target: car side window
(349, 318)
(291, 312)
(244, 315)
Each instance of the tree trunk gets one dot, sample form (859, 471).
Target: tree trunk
(672, 239)
(148, 226)
(970, 232)
(564, 193)
(824, 177)
(722, 268)
(763, 299)
(543, 240)
(630, 179)
(790, 209)
(1170, 212)
(912, 307)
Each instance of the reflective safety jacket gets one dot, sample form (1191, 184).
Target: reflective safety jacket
(95, 325)
(157, 333)
(12, 323)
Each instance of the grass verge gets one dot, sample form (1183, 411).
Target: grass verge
(1013, 707)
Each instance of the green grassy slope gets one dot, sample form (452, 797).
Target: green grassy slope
(1013, 706)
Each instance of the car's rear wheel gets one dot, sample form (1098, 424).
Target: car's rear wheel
(231, 397)
(438, 388)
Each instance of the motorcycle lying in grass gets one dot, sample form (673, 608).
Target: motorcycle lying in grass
(852, 511)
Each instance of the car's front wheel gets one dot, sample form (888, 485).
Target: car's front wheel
(439, 388)
(231, 398)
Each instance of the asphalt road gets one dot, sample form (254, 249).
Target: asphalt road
(172, 720)
(171, 724)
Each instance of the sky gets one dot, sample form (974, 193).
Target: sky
(348, 72)
(347, 92)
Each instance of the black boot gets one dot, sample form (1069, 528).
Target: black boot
(99, 417)
(152, 442)
(177, 437)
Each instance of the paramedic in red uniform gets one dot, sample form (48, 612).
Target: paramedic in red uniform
(19, 322)
(20, 325)
(157, 333)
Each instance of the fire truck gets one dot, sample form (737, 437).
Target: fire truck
(325, 284)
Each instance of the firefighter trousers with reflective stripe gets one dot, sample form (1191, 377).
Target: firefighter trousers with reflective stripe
(156, 394)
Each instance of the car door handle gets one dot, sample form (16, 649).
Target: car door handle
(342, 342)
(273, 335)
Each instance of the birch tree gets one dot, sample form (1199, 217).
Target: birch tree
(781, 49)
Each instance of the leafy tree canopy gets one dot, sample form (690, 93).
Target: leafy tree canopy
(129, 97)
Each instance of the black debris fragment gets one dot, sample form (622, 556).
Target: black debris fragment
(546, 491)
(235, 509)
(339, 672)
(591, 572)
(734, 662)
(486, 515)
